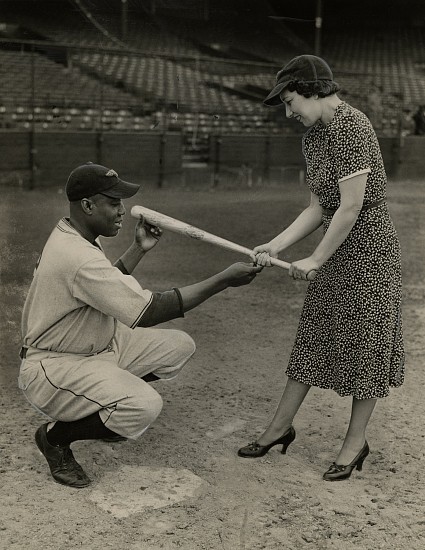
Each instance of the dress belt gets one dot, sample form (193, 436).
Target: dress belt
(331, 211)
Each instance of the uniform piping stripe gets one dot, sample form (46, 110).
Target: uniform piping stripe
(70, 391)
(136, 322)
(65, 230)
(69, 229)
(110, 414)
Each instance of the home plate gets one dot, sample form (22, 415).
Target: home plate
(131, 489)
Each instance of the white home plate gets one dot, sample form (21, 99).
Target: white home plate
(131, 489)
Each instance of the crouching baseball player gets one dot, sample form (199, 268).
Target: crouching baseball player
(88, 352)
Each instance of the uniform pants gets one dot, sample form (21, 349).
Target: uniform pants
(68, 387)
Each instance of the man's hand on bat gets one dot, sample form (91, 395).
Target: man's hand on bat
(146, 236)
(241, 273)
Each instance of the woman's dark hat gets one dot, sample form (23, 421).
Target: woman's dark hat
(90, 179)
(307, 68)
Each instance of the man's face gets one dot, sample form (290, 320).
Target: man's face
(107, 215)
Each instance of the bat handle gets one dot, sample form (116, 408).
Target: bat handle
(280, 263)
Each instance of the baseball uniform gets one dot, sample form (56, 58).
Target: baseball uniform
(85, 342)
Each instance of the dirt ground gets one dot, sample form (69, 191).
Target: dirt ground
(182, 485)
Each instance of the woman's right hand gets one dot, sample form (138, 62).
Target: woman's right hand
(262, 253)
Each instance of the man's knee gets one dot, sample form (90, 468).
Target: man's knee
(185, 344)
(181, 350)
(133, 415)
(148, 410)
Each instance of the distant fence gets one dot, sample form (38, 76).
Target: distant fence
(46, 158)
(263, 154)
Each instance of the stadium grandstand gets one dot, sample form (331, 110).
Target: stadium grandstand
(200, 69)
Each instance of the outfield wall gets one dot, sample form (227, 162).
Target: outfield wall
(153, 156)
(263, 152)
(412, 158)
(55, 154)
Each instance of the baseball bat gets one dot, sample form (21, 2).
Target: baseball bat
(166, 222)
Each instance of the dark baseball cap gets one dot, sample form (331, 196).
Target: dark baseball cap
(90, 179)
(306, 68)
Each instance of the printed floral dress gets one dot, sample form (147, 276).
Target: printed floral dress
(350, 336)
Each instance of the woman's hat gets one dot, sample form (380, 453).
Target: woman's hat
(307, 68)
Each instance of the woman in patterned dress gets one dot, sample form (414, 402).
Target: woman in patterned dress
(349, 337)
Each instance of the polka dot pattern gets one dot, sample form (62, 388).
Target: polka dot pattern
(350, 336)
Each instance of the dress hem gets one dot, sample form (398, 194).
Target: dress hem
(381, 395)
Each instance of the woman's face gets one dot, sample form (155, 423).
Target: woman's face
(306, 110)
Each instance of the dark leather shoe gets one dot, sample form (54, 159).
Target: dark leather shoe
(114, 438)
(63, 466)
(338, 472)
(254, 450)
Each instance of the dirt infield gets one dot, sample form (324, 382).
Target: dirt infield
(181, 485)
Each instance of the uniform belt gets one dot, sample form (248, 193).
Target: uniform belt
(24, 350)
(331, 211)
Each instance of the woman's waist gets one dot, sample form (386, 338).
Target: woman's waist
(330, 211)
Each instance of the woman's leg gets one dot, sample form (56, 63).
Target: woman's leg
(291, 400)
(361, 412)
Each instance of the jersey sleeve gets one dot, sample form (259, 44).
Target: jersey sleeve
(349, 145)
(165, 306)
(104, 287)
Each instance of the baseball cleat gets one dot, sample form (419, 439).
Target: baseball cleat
(63, 466)
(114, 438)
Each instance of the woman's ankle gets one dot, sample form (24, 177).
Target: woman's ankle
(273, 432)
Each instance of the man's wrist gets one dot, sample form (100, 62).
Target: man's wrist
(222, 281)
(138, 246)
(137, 249)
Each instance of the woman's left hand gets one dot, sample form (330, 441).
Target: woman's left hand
(304, 269)
(146, 235)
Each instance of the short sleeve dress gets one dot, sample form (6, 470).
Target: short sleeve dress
(349, 337)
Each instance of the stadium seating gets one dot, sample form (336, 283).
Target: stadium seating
(169, 73)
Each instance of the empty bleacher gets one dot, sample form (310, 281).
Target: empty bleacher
(167, 72)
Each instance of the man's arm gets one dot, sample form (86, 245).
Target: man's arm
(174, 303)
(130, 259)
(146, 237)
(236, 275)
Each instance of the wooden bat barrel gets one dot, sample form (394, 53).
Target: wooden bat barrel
(167, 222)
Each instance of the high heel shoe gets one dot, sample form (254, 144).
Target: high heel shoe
(337, 472)
(255, 450)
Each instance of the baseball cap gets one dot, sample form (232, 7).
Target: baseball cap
(89, 179)
(306, 68)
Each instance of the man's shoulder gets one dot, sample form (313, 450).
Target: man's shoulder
(66, 248)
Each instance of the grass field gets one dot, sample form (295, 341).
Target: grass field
(223, 399)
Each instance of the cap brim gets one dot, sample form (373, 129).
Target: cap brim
(122, 190)
(273, 99)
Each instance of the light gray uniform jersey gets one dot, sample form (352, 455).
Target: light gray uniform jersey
(84, 349)
(77, 296)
